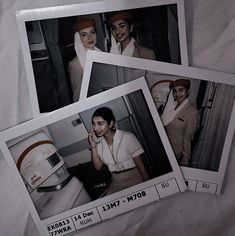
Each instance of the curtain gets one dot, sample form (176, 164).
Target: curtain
(51, 34)
(217, 127)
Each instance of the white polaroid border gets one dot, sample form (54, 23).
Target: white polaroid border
(200, 180)
(153, 190)
(24, 16)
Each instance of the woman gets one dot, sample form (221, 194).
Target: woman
(119, 150)
(180, 119)
(122, 43)
(84, 39)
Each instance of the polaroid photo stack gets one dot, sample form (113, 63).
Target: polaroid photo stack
(63, 196)
(69, 172)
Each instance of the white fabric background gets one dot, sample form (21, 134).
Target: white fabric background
(210, 28)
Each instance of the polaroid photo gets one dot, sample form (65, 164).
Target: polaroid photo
(196, 107)
(93, 160)
(55, 40)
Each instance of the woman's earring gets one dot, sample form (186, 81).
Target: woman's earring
(131, 28)
(188, 93)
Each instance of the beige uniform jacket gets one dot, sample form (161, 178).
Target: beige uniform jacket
(181, 131)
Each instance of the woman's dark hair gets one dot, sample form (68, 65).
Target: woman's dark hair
(106, 113)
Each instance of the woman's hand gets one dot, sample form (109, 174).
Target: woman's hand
(140, 166)
(92, 139)
(184, 162)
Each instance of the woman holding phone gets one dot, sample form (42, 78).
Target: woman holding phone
(119, 150)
